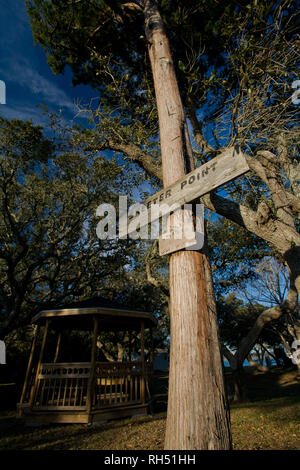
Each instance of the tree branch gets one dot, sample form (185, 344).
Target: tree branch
(229, 356)
(273, 231)
(265, 317)
(197, 127)
(132, 151)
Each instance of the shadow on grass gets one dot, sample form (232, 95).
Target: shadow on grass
(66, 436)
(277, 382)
(279, 387)
(15, 435)
(274, 394)
(160, 392)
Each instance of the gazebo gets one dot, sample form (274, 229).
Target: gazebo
(87, 392)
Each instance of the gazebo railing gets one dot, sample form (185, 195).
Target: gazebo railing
(118, 383)
(63, 386)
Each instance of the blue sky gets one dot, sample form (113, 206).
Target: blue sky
(28, 78)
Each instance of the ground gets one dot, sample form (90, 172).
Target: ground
(269, 420)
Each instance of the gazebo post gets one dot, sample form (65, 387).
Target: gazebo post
(151, 347)
(129, 349)
(69, 391)
(29, 366)
(40, 361)
(57, 347)
(143, 360)
(90, 389)
(152, 361)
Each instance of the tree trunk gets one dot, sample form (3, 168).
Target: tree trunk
(106, 354)
(121, 350)
(278, 363)
(198, 416)
(239, 384)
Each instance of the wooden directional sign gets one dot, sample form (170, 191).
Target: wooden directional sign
(184, 232)
(220, 170)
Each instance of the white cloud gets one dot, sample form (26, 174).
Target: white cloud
(24, 75)
(27, 81)
(23, 113)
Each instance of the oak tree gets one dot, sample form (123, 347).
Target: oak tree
(49, 251)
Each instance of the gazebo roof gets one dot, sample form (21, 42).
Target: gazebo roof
(111, 314)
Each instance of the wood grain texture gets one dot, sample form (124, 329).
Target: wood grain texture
(35, 382)
(91, 382)
(220, 170)
(188, 235)
(25, 389)
(197, 415)
(83, 387)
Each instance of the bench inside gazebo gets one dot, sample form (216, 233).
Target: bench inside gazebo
(87, 392)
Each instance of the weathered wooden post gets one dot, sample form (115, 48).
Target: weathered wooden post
(198, 416)
(151, 358)
(57, 347)
(38, 367)
(129, 346)
(30, 361)
(143, 378)
(91, 381)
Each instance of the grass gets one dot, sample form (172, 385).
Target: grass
(270, 423)
(267, 425)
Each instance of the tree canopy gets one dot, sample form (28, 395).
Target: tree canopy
(235, 65)
(49, 191)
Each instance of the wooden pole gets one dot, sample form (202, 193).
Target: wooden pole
(29, 366)
(151, 361)
(91, 382)
(143, 398)
(198, 416)
(33, 390)
(129, 339)
(151, 347)
(57, 347)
